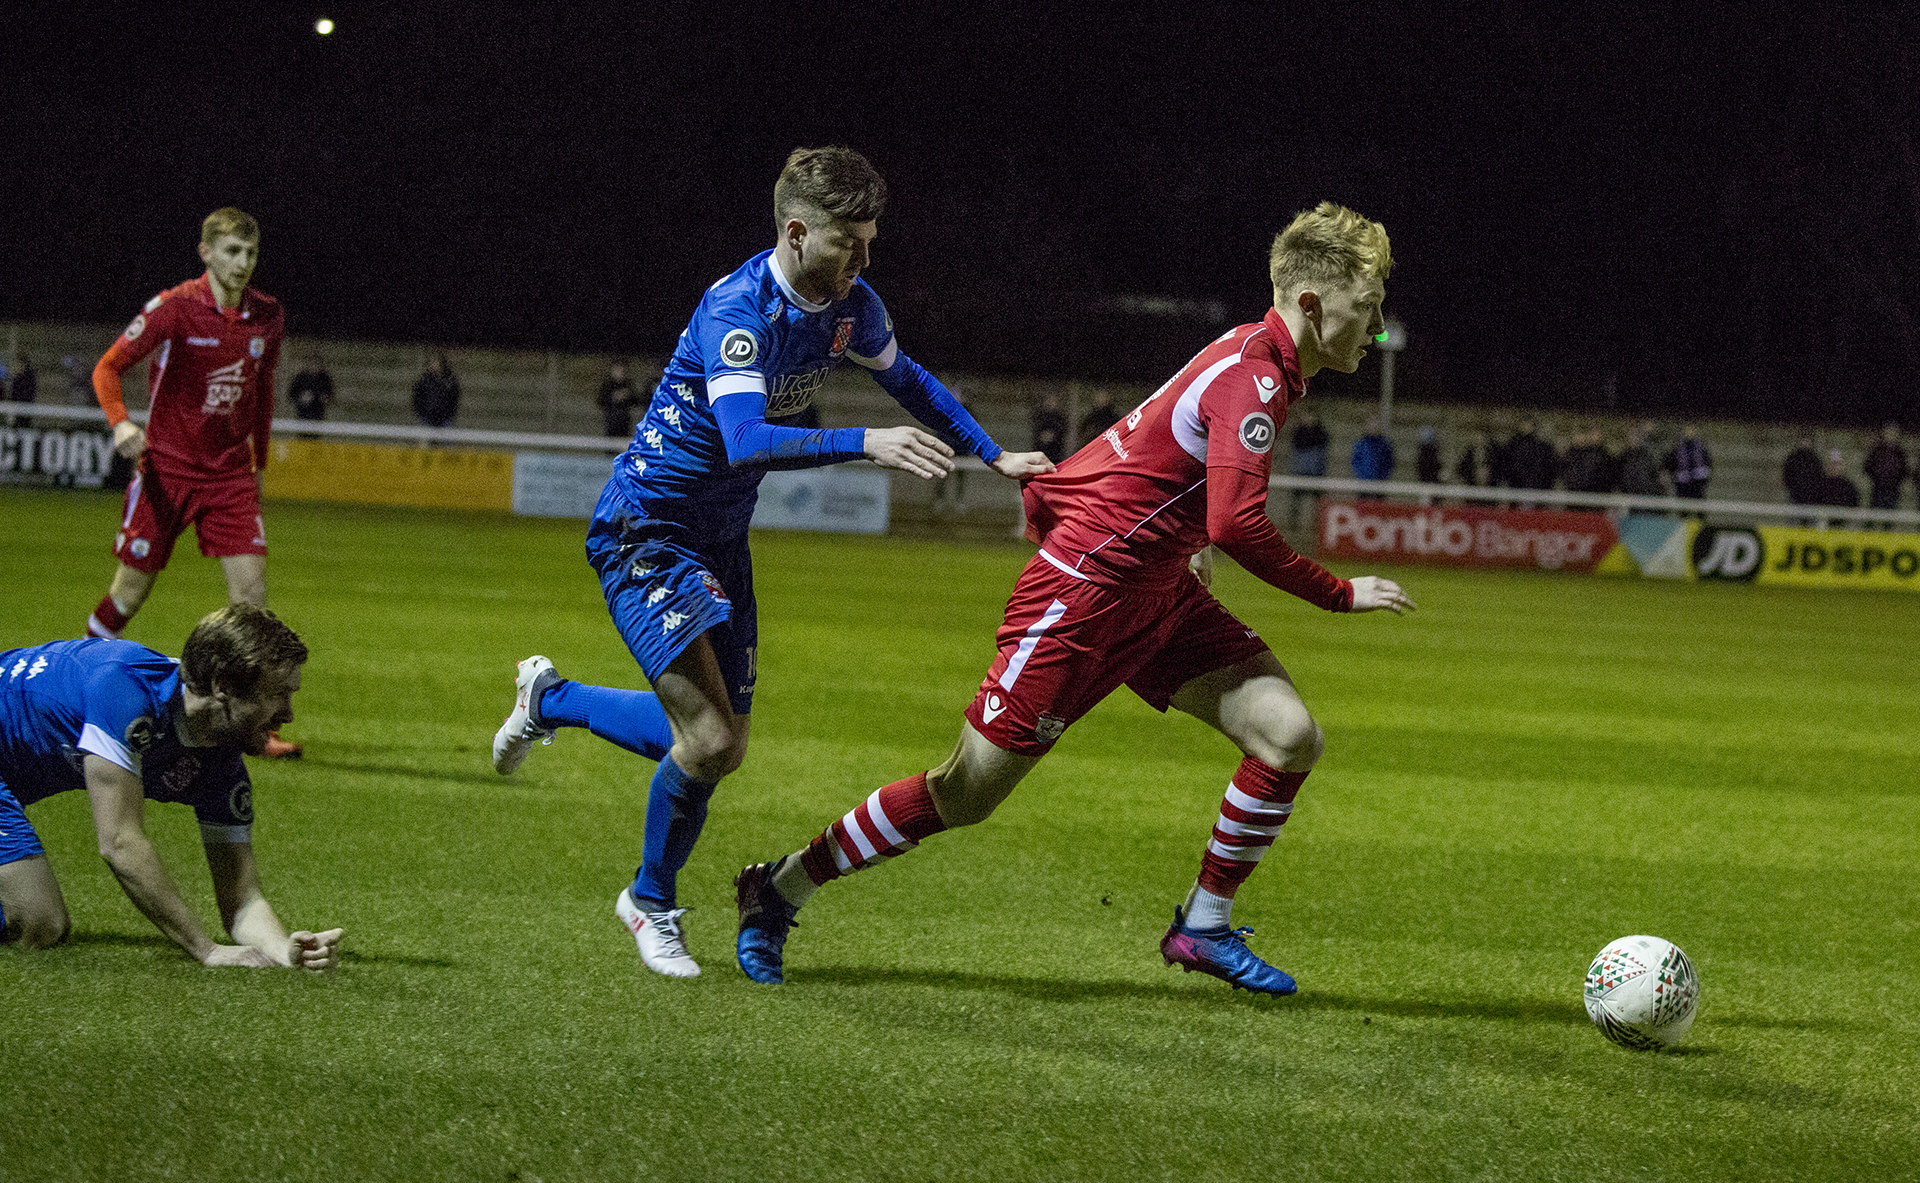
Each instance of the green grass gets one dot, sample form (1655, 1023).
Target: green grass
(1524, 770)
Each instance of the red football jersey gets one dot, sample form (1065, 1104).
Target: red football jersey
(1130, 508)
(210, 382)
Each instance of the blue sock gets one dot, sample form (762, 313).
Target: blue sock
(634, 719)
(676, 810)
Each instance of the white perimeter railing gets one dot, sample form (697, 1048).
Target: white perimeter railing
(1617, 504)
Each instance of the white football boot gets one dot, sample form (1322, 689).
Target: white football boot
(663, 943)
(516, 735)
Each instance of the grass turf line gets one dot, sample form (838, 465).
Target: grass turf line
(1525, 769)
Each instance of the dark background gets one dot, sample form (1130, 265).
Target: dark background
(1712, 208)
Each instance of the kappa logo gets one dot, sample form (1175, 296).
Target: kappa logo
(671, 414)
(1729, 554)
(1267, 388)
(1256, 432)
(658, 593)
(671, 620)
(683, 392)
(653, 437)
(992, 708)
(138, 326)
(739, 348)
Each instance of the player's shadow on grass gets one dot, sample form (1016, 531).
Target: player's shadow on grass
(159, 941)
(412, 772)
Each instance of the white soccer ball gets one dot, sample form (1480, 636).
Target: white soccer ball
(1642, 992)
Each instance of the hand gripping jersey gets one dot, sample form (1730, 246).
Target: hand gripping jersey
(756, 349)
(210, 383)
(1130, 508)
(120, 701)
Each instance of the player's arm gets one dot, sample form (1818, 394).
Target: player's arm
(119, 822)
(739, 400)
(1237, 523)
(134, 343)
(924, 397)
(250, 919)
(263, 407)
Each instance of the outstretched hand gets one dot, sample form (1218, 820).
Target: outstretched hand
(910, 450)
(1201, 564)
(1371, 592)
(1021, 464)
(315, 952)
(129, 439)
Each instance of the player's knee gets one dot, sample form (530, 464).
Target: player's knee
(710, 753)
(40, 929)
(1287, 737)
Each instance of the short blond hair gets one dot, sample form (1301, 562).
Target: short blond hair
(237, 222)
(1328, 244)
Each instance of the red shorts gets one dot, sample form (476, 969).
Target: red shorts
(1066, 643)
(224, 514)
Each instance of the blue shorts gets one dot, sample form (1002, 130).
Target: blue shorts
(664, 587)
(17, 839)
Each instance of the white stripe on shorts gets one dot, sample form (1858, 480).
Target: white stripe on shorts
(1047, 620)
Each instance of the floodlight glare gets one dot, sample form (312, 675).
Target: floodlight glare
(323, 26)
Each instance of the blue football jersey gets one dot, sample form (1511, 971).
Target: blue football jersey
(754, 337)
(63, 701)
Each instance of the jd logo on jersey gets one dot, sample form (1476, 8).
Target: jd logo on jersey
(738, 348)
(1720, 552)
(1256, 432)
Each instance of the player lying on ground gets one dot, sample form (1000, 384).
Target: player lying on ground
(1109, 601)
(669, 539)
(214, 342)
(130, 725)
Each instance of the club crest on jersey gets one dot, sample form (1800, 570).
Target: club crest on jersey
(1256, 432)
(240, 800)
(1047, 728)
(713, 587)
(138, 326)
(842, 335)
(739, 348)
(256, 347)
(224, 388)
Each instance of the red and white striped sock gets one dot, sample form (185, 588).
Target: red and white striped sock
(109, 620)
(1256, 805)
(893, 820)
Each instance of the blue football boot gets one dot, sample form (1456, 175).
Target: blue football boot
(1223, 953)
(765, 917)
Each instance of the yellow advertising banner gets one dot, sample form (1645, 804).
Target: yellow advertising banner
(389, 474)
(1838, 558)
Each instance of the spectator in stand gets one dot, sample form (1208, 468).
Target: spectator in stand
(1801, 473)
(1050, 427)
(1100, 416)
(1530, 460)
(1474, 464)
(1689, 465)
(1636, 471)
(1588, 466)
(311, 391)
(23, 386)
(1373, 454)
(1310, 445)
(1887, 468)
(436, 394)
(1836, 488)
(1426, 459)
(617, 399)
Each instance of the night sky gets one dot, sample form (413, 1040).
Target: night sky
(1683, 207)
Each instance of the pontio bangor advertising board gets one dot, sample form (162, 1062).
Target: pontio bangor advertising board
(1466, 536)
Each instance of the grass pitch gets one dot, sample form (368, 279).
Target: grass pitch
(1525, 769)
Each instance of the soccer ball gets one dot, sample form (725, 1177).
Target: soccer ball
(1642, 992)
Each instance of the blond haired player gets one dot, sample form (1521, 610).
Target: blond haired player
(1110, 601)
(213, 343)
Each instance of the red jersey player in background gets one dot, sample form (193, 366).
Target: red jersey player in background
(1118, 596)
(214, 342)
